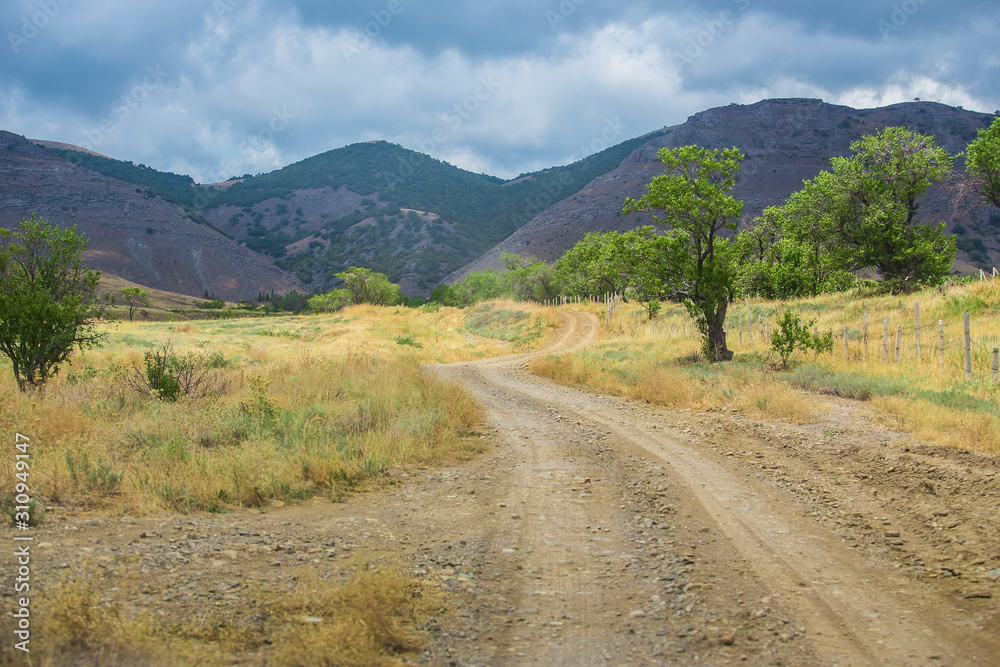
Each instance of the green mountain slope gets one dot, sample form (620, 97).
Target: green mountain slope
(458, 214)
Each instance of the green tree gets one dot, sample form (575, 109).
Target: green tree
(528, 278)
(982, 165)
(594, 267)
(48, 299)
(641, 252)
(330, 302)
(135, 298)
(780, 263)
(863, 212)
(693, 196)
(367, 286)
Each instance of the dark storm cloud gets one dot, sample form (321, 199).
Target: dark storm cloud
(216, 88)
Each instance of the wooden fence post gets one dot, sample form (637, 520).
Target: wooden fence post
(749, 321)
(899, 340)
(996, 363)
(968, 349)
(885, 339)
(916, 326)
(941, 340)
(864, 338)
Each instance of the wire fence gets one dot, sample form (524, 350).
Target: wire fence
(955, 345)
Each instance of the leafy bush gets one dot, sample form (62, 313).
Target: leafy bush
(168, 375)
(407, 340)
(791, 335)
(100, 478)
(330, 302)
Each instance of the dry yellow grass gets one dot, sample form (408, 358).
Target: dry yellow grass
(366, 622)
(657, 361)
(368, 618)
(296, 406)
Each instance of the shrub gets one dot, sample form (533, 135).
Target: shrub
(792, 335)
(9, 507)
(407, 340)
(101, 479)
(168, 375)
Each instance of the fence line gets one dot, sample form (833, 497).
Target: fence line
(759, 332)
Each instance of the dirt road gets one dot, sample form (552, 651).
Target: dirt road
(599, 531)
(608, 539)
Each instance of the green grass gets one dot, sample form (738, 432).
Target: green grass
(848, 385)
(513, 326)
(863, 387)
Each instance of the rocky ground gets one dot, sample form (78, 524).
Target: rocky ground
(597, 530)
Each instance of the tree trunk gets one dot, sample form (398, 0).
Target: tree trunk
(717, 333)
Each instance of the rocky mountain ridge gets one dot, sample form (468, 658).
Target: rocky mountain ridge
(423, 221)
(786, 141)
(133, 233)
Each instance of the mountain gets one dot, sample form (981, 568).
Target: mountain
(786, 141)
(372, 204)
(133, 233)
(423, 221)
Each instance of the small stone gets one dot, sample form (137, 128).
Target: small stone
(727, 640)
(312, 619)
(979, 594)
(638, 613)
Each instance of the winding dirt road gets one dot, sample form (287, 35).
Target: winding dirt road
(601, 537)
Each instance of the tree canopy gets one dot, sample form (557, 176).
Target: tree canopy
(861, 214)
(982, 165)
(48, 299)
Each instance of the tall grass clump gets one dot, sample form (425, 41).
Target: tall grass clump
(368, 621)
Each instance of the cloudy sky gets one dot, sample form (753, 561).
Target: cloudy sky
(216, 88)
